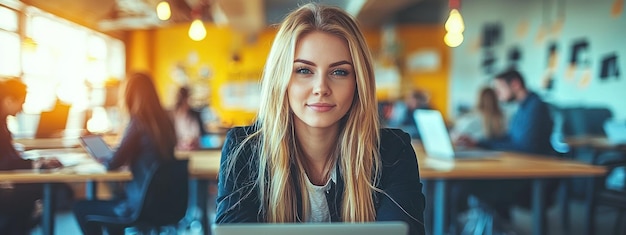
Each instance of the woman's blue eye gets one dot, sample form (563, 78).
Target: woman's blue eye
(303, 71)
(340, 72)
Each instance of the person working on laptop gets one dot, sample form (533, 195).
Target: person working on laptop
(529, 131)
(486, 122)
(149, 140)
(17, 201)
(530, 127)
(315, 152)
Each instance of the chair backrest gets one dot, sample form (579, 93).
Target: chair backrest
(165, 198)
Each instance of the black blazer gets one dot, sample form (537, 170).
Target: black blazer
(237, 197)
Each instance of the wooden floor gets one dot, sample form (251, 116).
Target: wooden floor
(66, 224)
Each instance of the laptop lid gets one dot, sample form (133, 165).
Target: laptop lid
(370, 228)
(434, 134)
(96, 147)
(52, 123)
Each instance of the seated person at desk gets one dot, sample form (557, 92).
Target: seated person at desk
(187, 122)
(529, 132)
(316, 153)
(402, 112)
(17, 201)
(149, 140)
(485, 122)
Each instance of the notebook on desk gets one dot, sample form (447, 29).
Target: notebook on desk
(371, 228)
(436, 139)
(96, 147)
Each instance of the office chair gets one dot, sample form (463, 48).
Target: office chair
(611, 197)
(164, 201)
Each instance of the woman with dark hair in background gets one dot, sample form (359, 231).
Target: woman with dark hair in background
(148, 141)
(17, 201)
(187, 122)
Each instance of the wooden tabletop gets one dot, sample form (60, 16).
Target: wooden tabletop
(205, 164)
(598, 142)
(61, 176)
(503, 165)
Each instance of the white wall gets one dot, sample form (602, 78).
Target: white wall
(583, 19)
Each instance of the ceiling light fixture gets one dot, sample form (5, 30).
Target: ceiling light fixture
(197, 32)
(454, 25)
(163, 10)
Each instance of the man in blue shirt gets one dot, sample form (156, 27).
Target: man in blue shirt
(529, 131)
(531, 126)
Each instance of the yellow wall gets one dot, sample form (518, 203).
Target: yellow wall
(170, 46)
(413, 38)
(159, 51)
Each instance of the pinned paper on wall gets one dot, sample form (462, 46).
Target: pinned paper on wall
(240, 95)
(423, 61)
(609, 67)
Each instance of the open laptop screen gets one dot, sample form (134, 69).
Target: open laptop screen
(370, 228)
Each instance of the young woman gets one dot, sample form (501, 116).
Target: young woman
(149, 140)
(17, 201)
(487, 121)
(187, 122)
(316, 153)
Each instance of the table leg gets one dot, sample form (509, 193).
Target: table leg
(198, 191)
(428, 208)
(590, 202)
(565, 203)
(91, 190)
(47, 219)
(439, 206)
(539, 212)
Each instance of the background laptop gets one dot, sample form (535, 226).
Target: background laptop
(52, 123)
(436, 139)
(372, 228)
(95, 146)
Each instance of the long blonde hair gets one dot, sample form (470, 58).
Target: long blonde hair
(280, 169)
(493, 117)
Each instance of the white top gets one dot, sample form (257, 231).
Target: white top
(317, 200)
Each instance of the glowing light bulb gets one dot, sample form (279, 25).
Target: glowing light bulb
(163, 10)
(197, 32)
(453, 39)
(455, 22)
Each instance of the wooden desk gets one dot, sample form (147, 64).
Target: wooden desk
(600, 143)
(51, 143)
(51, 177)
(507, 166)
(59, 143)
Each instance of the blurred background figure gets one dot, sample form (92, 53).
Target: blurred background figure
(486, 121)
(402, 112)
(187, 122)
(148, 141)
(17, 201)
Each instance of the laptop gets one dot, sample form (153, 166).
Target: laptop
(96, 147)
(615, 131)
(370, 228)
(52, 123)
(436, 139)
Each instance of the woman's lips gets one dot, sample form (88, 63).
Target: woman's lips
(321, 107)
